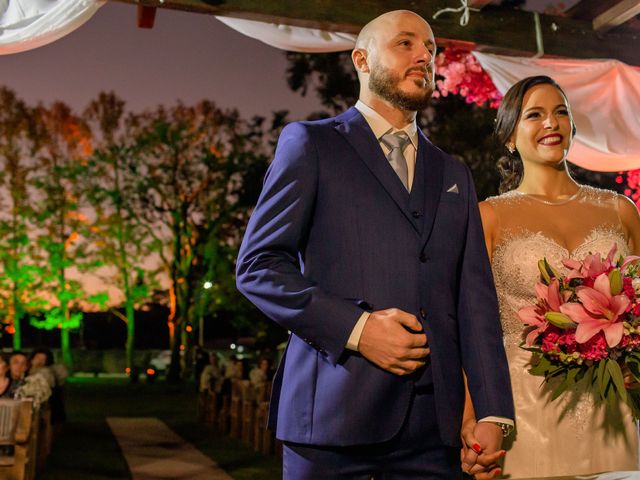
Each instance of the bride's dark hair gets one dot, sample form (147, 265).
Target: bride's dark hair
(510, 164)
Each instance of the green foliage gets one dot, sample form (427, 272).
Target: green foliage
(57, 318)
(604, 379)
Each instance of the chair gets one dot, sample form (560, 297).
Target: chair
(18, 439)
(248, 413)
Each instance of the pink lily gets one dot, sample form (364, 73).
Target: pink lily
(628, 261)
(599, 310)
(592, 265)
(549, 300)
(533, 316)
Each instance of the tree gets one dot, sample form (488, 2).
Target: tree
(195, 166)
(122, 239)
(18, 146)
(61, 227)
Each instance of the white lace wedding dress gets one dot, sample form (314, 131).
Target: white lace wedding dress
(570, 435)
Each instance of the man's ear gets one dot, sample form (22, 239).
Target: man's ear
(359, 57)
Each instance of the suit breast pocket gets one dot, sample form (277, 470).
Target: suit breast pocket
(451, 197)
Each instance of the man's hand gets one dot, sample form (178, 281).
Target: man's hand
(481, 449)
(394, 341)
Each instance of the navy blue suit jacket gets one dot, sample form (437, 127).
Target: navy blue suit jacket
(335, 231)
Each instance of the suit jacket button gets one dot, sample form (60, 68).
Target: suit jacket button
(423, 257)
(423, 314)
(416, 214)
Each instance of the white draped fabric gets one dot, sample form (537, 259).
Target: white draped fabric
(604, 97)
(604, 94)
(27, 24)
(293, 39)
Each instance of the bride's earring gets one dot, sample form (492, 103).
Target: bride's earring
(511, 147)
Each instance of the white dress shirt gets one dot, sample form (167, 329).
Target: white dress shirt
(381, 126)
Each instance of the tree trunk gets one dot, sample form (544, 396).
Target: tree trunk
(14, 318)
(67, 358)
(131, 327)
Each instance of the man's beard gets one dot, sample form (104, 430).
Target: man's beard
(384, 83)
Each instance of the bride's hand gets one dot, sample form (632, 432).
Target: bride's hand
(480, 450)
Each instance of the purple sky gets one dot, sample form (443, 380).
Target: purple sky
(184, 57)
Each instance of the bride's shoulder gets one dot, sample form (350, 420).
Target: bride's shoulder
(599, 195)
(504, 198)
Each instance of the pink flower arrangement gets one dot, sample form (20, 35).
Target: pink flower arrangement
(585, 326)
(463, 75)
(632, 184)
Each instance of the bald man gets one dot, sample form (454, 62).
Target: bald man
(366, 245)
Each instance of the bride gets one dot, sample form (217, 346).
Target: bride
(543, 212)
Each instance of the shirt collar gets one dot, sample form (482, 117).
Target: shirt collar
(380, 125)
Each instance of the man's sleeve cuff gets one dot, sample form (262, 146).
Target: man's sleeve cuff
(506, 421)
(354, 338)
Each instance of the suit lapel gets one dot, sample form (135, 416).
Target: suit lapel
(416, 198)
(355, 129)
(429, 158)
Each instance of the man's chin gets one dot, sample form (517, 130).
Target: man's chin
(414, 101)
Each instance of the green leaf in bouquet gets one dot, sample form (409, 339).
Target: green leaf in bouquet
(611, 400)
(547, 272)
(533, 349)
(542, 366)
(568, 381)
(544, 274)
(615, 371)
(633, 364)
(615, 281)
(633, 400)
(560, 320)
(599, 378)
(590, 376)
(581, 373)
(552, 271)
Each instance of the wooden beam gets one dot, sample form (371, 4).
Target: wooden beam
(590, 9)
(146, 16)
(495, 29)
(621, 12)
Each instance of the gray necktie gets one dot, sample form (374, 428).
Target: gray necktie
(396, 143)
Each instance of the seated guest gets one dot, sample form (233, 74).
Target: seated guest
(211, 377)
(5, 381)
(200, 361)
(259, 375)
(41, 360)
(234, 370)
(18, 367)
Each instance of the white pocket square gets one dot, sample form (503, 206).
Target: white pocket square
(453, 188)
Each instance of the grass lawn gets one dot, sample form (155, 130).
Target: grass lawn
(86, 449)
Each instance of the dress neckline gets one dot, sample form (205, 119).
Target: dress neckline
(551, 202)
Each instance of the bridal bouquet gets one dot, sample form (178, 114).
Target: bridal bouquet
(585, 326)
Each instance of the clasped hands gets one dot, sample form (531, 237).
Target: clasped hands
(394, 341)
(481, 449)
